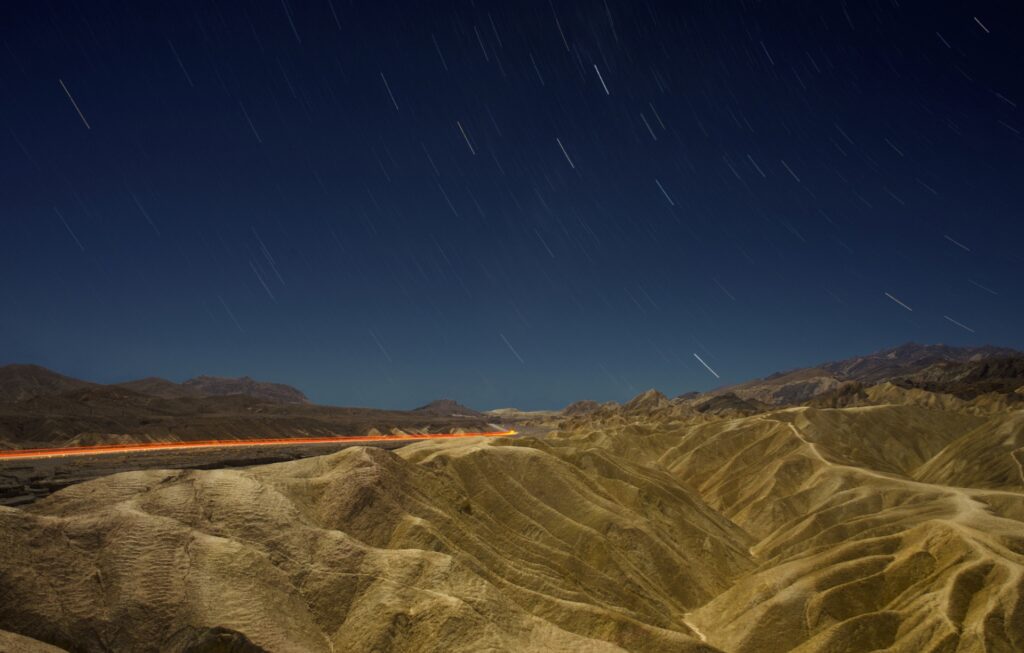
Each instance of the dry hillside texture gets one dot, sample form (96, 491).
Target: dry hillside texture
(887, 527)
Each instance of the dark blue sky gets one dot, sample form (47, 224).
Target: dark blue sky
(504, 203)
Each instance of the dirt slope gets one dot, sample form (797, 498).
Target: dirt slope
(893, 522)
(474, 545)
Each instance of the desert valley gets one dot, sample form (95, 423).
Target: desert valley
(871, 504)
(511, 327)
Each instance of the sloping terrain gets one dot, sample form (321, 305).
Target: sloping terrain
(40, 408)
(971, 379)
(216, 386)
(853, 553)
(990, 456)
(21, 382)
(104, 415)
(932, 367)
(14, 643)
(645, 530)
(893, 521)
(475, 545)
(446, 407)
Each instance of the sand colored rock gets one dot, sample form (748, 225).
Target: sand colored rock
(466, 546)
(895, 525)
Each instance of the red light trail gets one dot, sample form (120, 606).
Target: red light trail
(260, 442)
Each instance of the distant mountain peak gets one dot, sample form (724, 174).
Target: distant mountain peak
(802, 384)
(906, 358)
(582, 407)
(19, 382)
(218, 386)
(647, 400)
(729, 404)
(446, 408)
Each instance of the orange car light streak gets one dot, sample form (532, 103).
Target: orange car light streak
(259, 442)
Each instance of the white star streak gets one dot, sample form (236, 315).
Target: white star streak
(959, 324)
(571, 164)
(899, 302)
(706, 365)
(74, 104)
(600, 77)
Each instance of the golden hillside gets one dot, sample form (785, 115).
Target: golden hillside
(648, 527)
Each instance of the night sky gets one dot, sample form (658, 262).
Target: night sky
(506, 203)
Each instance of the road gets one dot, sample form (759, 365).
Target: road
(251, 443)
(27, 475)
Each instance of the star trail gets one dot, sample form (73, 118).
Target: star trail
(505, 203)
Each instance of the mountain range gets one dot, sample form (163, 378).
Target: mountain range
(894, 364)
(24, 382)
(961, 372)
(41, 408)
(883, 512)
(218, 386)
